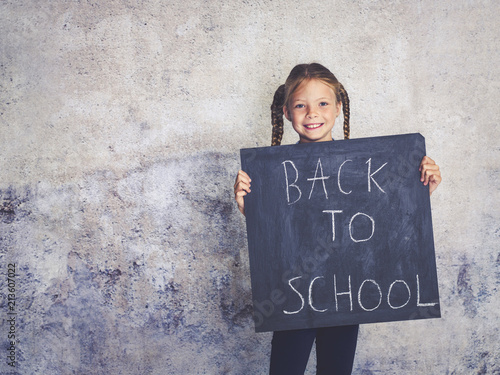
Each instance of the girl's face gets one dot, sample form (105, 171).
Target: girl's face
(312, 111)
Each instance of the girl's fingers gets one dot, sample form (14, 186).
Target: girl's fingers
(240, 193)
(432, 176)
(242, 176)
(241, 188)
(427, 172)
(434, 181)
(242, 182)
(430, 173)
(426, 160)
(425, 164)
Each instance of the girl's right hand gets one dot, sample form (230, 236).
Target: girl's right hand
(241, 188)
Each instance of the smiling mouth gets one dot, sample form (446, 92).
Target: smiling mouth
(313, 126)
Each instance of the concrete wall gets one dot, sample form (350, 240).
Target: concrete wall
(121, 124)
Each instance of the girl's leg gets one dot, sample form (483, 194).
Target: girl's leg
(335, 349)
(290, 351)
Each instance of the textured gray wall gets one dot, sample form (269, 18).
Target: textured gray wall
(121, 124)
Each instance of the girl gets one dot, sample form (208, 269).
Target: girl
(311, 99)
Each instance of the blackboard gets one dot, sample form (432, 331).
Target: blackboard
(340, 233)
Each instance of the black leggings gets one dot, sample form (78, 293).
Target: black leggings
(335, 349)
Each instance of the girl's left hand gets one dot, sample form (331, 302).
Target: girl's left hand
(429, 173)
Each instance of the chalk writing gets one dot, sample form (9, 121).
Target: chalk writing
(319, 175)
(372, 225)
(333, 212)
(322, 178)
(298, 293)
(338, 179)
(293, 183)
(370, 175)
(361, 293)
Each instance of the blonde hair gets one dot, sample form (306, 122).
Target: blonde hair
(299, 74)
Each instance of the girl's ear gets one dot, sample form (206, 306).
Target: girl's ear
(286, 113)
(339, 107)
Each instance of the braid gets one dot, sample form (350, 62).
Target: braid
(345, 108)
(277, 115)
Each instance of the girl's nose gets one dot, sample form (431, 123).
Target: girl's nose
(311, 114)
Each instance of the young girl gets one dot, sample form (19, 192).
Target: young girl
(311, 99)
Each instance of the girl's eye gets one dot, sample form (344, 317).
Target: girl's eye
(323, 104)
(299, 106)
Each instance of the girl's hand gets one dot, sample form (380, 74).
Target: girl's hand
(429, 173)
(241, 188)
